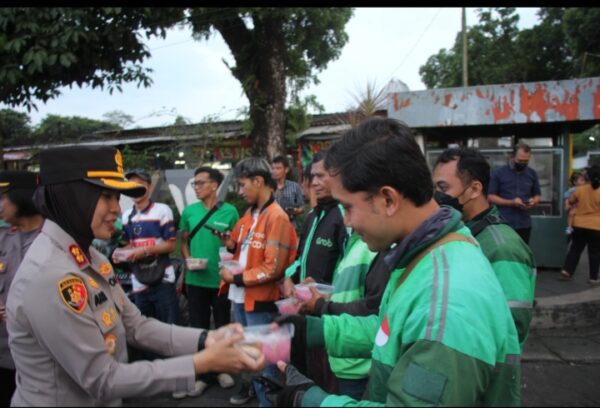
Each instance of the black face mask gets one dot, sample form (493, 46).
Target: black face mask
(445, 199)
(520, 166)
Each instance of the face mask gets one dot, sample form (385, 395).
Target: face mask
(520, 166)
(445, 199)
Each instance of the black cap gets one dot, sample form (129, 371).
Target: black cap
(140, 173)
(99, 165)
(11, 179)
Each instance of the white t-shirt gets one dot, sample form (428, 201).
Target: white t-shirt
(150, 227)
(236, 293)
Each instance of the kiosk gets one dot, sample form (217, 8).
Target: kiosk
(493, 119)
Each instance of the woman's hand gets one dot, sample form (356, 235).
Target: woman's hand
(224, 356)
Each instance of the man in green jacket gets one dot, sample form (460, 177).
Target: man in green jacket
(358, 284)
(444, 334)
(461, 178)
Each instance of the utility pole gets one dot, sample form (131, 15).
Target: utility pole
(464, 48)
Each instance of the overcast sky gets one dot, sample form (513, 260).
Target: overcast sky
(191, 80)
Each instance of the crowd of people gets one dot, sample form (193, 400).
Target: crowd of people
(432, 278)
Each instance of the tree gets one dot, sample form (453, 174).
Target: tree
(366, 102)
(62, 129)
(42, 49)
(491, 49)
(582, 28)
(271, 46)
(565, 44)
(14, 130)
(118, 118)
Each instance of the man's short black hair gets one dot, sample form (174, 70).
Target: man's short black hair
(521, 146)
(213, 174)
(470, 166)
(306, 174)
(283, 160)
(319, 156)
(381, 152)
(253, 167)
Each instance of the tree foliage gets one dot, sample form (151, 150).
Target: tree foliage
(42, 49)
(118, 118)
(565, 44)
(271, 46)
(15, 128)
(62, 129)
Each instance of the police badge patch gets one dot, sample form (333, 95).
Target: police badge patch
(73, 293)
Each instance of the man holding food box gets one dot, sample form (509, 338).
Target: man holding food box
(200, 248)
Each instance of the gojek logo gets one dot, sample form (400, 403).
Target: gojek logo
(326, 242)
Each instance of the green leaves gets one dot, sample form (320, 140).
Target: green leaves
(42, 49)
(565, 44)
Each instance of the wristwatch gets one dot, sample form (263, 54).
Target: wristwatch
(202, 340)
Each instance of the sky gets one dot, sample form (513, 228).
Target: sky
(191, 80)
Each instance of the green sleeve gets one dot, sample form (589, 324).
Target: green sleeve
(235, 217)
(183, 222)
(316, 397)
(430, 373)
(350, 336)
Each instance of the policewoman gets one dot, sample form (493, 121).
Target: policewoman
(23, 223)
(69, 320)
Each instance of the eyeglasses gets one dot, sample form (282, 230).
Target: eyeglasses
(195, 184)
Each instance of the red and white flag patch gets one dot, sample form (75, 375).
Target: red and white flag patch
(383, 334)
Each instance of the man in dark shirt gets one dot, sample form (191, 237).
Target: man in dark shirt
(288, 194)
(515, 189)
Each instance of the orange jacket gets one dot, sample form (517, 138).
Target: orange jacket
(273, 247)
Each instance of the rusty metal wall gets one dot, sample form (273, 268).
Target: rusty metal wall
(532, 102)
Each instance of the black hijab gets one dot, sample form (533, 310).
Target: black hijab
(71, 205)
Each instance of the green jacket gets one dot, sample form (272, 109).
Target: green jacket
(513, 264)
(445, 336)
(349, 285)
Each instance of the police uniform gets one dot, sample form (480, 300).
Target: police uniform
(13, 245)
(69, 320)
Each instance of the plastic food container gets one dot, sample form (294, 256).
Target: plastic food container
(225, 255)
(233, 266)
(303, 292)
(276, 344)
(196, 264)
(122, 254)
(288, 306)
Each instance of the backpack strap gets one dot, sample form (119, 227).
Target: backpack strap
(450, 237)
(490, 219)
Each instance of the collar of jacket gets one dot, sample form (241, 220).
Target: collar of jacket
(325, 205)
(445, 220)
(270, 201)
(491, 210)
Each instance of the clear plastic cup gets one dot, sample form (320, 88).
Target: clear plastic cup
(288, 306)
(233, 266)
(304, 294)
(196, 264)
(224, 254)
(122, 254)
(276, 343)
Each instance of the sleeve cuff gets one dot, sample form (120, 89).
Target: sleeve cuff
(238, 279)
(313, 397)
(320, 307)
(315, 336)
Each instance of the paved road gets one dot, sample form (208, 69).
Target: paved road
(560, 368)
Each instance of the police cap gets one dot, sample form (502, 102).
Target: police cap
(21, 179)
(99, 165)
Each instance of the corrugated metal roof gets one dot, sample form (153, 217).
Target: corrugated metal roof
(533, 102)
